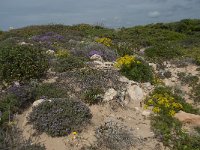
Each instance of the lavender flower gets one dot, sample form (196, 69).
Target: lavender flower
(49, 36)
(93, 52)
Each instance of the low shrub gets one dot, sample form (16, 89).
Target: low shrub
(124, 48)
(170, 132)
(163, 103)
(21, 63)
(68, 63)
(86, 50)
(62, 53)
(60, 117)
(93, 96)
(134, 69)
(15, 99)
(160, 52)
(105, 41)
(8, 106)
(24, 94)
(47, 90)
(168, 98)
(114, 136)
(188, 79)
(166, 128)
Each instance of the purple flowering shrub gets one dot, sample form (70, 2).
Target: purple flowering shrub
(15, 99)
(94, 48)
(49, 39)
(60, 117)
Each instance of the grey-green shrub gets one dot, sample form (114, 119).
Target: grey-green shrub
(60, 117)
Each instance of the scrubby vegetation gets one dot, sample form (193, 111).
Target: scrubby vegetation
(134, 69)
(21, 63)
(31, 56)
(169, 130)
(113, 136)
(59, 117)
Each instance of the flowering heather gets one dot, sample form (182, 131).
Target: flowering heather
(93, 52)
(48, 37)
(94, 48)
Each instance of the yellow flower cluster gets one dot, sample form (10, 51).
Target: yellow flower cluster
(105, 41)
(62, 53)
(165, 103)
(126, 60)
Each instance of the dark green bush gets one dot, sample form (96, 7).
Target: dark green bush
(93, 96)
(60, 117)
(21, 63)
(16, 99)
(8, 106)
(169, 130)
(68, 63)
(140, 72)
(124, 49)
(164, 51)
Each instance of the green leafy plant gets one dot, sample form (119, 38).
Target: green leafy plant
(93, 96)
(50, 91)
(21, 63)
(68, 63)
(134, 69)
(62, 53)
(166, 128)
(167, 51)
(60, 117)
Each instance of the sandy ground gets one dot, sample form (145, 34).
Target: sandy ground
(130, 116)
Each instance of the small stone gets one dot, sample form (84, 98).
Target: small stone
(146, 113)
(52, 80)
(154, 66)
(37, 102)
(50, 52)
(96, 57)
(16, 83)
(110, 95)
(23, 43)
(124, 79)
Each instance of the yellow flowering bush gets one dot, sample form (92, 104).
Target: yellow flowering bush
(105, 41)
(126, 60)
(163, 103)
(134, 68)
(62, 53)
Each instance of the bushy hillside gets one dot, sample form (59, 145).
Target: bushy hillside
(101, 84)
